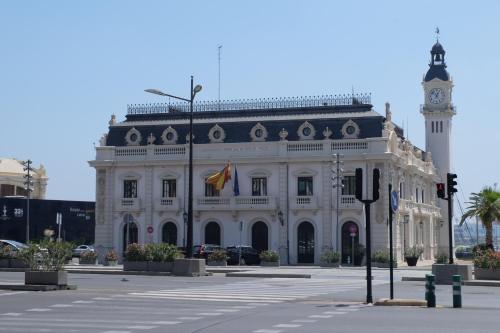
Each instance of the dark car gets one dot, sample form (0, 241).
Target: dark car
(249, 255)
(204, 250)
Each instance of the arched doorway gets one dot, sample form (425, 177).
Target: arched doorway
(260, 236)
(130, 231)
(350, 243)
(305, 243)
(212, 233)
(169, 233)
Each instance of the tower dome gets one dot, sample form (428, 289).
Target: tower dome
(437, 67)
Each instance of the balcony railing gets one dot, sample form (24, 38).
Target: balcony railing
(253, 104)
(128, 204)
(304, 202)
(419, 208)
(167, 204)
(236, 203)
(349, 202)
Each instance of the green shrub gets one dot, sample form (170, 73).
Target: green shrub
(46, 256)
(441, 257)
(382, 256)
(487, 259)
(414, 252)
(161, 252)
(217, 255)
(135, 252)
(330, 256)
(269, 256)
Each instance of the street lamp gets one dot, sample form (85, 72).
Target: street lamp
(29, 184)
(337, 178)
(193, 92)
(185, 217)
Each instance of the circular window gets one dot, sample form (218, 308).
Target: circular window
(216, 135)
(133, 137)
(306, 131)
(350, 130)
(258, 132)
(170, 136)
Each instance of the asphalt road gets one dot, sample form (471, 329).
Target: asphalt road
(325, 303)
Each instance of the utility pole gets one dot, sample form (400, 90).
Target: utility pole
(337, 179)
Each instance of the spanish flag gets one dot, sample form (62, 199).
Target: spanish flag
(220, 178)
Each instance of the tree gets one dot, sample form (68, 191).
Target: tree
(486, 206)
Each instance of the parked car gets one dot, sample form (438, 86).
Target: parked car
(77, 251)
(249, 255)
(464, 252)
(14, 245)
(204, 250)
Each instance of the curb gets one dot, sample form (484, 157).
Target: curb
(36, 287)
(400, 302)
(269, 275)
(478, 283)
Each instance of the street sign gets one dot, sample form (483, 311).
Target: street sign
(394, 201)
(150, 229)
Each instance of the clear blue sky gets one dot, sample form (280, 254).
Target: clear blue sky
(66, 66)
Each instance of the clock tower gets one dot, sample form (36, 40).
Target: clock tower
(438, 112)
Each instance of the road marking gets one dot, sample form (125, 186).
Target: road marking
(116, 332)
(320, 316)
(227, 310)
(334, 312)
(243, 307)
(38, 310)
(11, 314)
(257, 304)
(267, 331)
(194, 298)
(61, 305)
(189, 318)
(165, 322)
(13, 293)
(287, 325)
(102, 298)
(83, 302)
(304, 321)
(209, 314)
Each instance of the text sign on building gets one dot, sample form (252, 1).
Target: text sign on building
(394, 201)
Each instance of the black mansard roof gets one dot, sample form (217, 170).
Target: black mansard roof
(237, 118)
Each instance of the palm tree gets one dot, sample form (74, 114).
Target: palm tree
(486, 206)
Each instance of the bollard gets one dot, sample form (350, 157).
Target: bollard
(457, 291)
(430, 288)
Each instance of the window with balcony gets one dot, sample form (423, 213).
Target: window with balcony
(305, 186)
(259, 186)
(169, 188)
(210, 190)
(349, 183)
(130, 188)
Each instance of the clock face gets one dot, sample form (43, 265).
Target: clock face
(436, 95)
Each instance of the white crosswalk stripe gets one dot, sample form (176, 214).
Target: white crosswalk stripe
(268, 291)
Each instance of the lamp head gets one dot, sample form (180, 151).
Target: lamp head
(196, 89)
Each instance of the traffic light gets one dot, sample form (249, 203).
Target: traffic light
(451, 183)
(440, 190)
(376, 184)
(359, 184)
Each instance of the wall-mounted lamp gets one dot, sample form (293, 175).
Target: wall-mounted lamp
(280, 217)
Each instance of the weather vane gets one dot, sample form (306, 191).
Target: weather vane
(437, 34)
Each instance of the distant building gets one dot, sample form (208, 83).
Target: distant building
(282, 149)
(12, 179)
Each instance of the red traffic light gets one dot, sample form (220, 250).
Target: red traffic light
(440, 190)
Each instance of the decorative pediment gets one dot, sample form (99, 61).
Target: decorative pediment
(306, 131)
(169, 136)
(216, 134)
(133, 137)
(350, 130)
(258, 133)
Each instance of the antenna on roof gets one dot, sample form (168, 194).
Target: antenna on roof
(219, 48)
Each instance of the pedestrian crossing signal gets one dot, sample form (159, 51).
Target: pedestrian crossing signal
(440, 190)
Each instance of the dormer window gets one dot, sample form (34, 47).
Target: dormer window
(306, 131)
(133, 137)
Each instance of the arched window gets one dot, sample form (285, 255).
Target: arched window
(169, 233)
(305, 243)
(260, 236)
(212, 233)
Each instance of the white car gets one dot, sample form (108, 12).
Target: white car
(77, 251)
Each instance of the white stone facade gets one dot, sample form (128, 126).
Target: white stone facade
(12, 179)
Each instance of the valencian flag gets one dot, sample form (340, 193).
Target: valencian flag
(220, 178)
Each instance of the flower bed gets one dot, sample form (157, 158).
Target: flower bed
(487, 265)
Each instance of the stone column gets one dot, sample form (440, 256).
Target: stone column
(283, 206)
(148, 206)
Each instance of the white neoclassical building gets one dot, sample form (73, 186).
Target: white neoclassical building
(282, 150)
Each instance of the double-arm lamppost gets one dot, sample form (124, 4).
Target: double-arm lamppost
(28, 183)
(194, 91)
